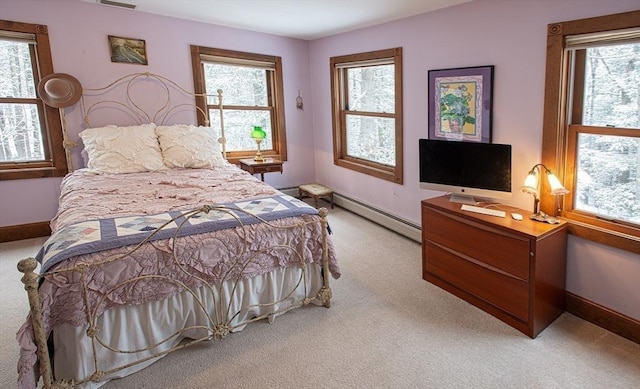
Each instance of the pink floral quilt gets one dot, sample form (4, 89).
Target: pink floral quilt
(212, 256)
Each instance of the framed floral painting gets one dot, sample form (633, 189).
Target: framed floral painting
(460, 104)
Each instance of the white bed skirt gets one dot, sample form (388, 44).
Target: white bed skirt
(136, 327)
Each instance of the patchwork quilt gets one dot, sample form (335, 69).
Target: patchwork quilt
(210, 248)
(103, 234)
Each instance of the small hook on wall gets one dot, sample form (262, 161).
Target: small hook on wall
(299, 102)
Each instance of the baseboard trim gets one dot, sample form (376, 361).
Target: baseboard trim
(291, 191)
(24, 231)
(392, 222)
(587, 310)
(603, 317)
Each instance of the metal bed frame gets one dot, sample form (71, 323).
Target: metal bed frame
(219, 322)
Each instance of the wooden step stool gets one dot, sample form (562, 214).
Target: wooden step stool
(316, 191)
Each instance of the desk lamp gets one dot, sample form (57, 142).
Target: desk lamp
(532, 186)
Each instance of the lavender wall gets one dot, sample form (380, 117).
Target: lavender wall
(78, 34)
(510, 34)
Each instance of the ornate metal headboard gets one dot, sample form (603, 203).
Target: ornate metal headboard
(168, 95)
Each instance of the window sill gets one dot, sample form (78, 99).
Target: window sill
(624, 238)
(385, 174)
(33, 172)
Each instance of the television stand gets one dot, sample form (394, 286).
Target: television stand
(513, 270)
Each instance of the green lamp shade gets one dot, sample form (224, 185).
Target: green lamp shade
(258, 133)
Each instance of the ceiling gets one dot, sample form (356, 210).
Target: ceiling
(302, 19)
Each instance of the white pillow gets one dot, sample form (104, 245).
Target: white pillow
(188, 146)
(114, 149)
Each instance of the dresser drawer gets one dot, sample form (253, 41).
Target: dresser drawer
(490, 285)
(499, 249)
(267, 169)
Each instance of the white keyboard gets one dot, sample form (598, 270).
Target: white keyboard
(483, 210)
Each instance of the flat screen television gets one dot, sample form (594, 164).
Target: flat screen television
(470, 171)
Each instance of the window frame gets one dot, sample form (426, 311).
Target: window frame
(559, 140)
(339, 114)
(55, 163)
(276, 98)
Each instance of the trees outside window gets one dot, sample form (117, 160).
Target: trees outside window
(30, 132)
(367, 113)
(22, 138)
(252, 93)
(592, 126)
(608, 132)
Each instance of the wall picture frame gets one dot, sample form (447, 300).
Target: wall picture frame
(460, 103)
(127, 50)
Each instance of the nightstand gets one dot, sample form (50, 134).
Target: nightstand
(269, 165)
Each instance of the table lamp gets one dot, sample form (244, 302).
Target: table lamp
(258, 135)
(532, 185)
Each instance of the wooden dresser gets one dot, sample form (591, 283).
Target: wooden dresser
(514, 270)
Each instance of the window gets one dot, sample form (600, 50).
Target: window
(252, 95)
(366, 93)
(592, 126)
(31, 142)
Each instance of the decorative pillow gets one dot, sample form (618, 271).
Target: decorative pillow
(188, 146)
(114, 149)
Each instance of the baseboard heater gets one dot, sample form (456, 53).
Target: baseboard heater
(385, 219)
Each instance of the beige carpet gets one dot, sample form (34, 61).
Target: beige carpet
(387, 328)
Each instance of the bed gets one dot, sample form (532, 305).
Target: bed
(160, 243)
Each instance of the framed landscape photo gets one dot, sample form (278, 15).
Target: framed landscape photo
(460, 103)
(128, 50)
